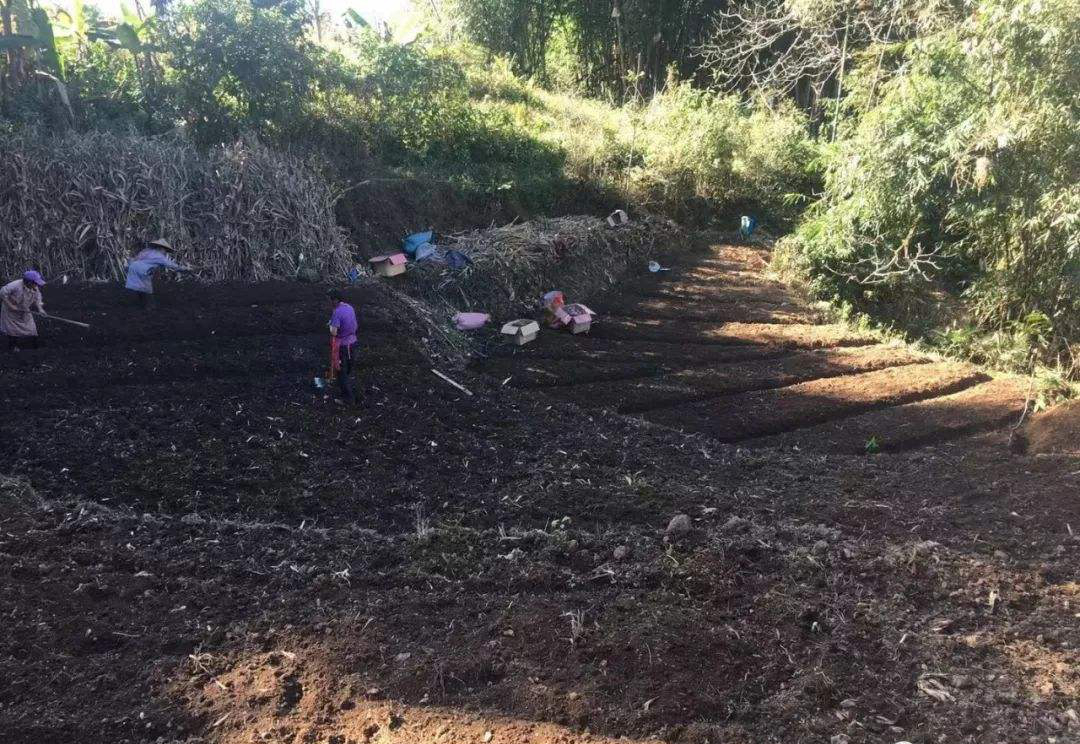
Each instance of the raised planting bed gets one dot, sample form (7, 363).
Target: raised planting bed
(739, 417)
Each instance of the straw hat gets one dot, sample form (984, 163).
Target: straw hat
(161, 243)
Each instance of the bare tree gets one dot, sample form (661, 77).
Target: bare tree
(318, 17)
(802, 48)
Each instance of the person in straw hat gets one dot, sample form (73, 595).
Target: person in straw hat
(18, 300)
(141, 269)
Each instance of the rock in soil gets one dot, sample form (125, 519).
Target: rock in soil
(680, 524)
(622, 553)
(735, 524)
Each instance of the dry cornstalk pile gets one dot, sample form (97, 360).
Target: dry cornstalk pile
(81, 204)
(16, 494)
(514, 265)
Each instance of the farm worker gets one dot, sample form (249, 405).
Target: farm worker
(552, 303)
(140, 271)
(343, 332)
(19, 298)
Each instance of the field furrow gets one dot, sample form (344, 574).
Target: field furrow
(757, 414)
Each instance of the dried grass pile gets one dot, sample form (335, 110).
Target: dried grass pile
(513, 266)
(82, 203)
(16, 495)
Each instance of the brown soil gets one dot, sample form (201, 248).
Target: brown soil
(1056, 431)
(988, 406)
(192, 554)
(652, 288)
(756, 414)
(692, 332)
(811, 386)
(590, 348)
(707, 382)
(677, 309)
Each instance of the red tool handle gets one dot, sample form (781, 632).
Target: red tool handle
(335, 358)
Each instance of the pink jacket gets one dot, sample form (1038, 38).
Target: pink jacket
(16, 302)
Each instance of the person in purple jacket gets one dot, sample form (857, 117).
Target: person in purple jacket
(343, 328)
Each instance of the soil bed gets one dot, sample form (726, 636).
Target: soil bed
(713, 312)
(709, 292)
(738, 417)
(545, 373)
(991, 405)
(711, 381)
(771, 334)
(564, 346)
(1053, 431)
(192, 555)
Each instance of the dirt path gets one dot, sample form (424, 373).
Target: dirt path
(689, 341)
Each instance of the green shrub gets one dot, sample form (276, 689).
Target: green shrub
(701, 146)
(960, 173)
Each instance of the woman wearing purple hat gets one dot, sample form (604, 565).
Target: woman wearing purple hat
(18, 300)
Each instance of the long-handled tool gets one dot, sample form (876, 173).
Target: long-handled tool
(335, 359)
(63, 320)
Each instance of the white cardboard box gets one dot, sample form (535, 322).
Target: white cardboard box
(521, 332)
(580, 318)
(388, 265)
(616, 218)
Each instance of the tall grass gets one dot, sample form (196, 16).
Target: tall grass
(686, 152)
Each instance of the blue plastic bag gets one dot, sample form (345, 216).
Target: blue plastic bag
(457, 259)
(414, 241)
(747, 226)
(425, 251)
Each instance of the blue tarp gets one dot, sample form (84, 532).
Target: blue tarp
(414, 241)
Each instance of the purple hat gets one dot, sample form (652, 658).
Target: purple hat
(33, 276)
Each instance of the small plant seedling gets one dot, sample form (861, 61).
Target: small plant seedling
(577, 625)
(872, 446)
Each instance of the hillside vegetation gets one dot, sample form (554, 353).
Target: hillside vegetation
(956, 173)
(924, 152)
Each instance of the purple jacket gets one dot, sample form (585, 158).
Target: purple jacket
(344, 322)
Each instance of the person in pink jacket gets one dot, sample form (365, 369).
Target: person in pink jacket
(18, 301)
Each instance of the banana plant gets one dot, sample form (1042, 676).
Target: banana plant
(76, 28)
(355, 20)
(130, 33)
(10, 42)
(31, 53)
(47, 42)
(18, 38)
(133, 33)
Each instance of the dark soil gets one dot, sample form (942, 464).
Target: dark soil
(190, 553)
(670, 387)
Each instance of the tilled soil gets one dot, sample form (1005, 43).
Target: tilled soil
(1056, 431)
(189, 553)
(802, 384)
(988, 406)
(653, 388)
